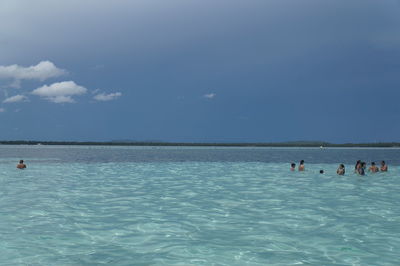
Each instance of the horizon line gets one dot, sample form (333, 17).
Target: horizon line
(320, 144)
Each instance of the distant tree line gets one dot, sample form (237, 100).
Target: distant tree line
(200, 144)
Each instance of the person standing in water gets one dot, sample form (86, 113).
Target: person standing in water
(357, 166)
(384, 167)
(21, 165)
(292, 167)
(361, 169)
(373, 168)
(341, 170)
(301, 166)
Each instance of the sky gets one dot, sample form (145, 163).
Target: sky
(200, 71)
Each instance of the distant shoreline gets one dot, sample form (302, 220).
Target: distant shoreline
(210, 144)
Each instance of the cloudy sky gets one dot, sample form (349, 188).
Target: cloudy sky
(188, 70)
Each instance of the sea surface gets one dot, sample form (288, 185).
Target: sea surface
(94, 205)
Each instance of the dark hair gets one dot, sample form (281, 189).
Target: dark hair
(302, 162)
(293, 164)
(21, 161)
(373, 163)
(383, 162)
(321, 171)
(342, 165)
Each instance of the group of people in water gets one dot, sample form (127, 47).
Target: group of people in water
(359, 168)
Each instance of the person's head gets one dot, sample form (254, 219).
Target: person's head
(293, 165)
(383, 163)
(363, 164)
(373, 163)
(21, 161)
(342, 165)
(321, 171)
(302, 162)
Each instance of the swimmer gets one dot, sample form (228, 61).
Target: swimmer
(373, 168)
(301, 166)
(292, 167)
(384, 167)
(321, 171)
(341, 170)
(357, 166)
(21, 165)
(361, 169)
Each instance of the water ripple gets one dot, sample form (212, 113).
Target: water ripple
(197, 213)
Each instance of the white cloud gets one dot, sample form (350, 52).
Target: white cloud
(42, 71)
(60, 92)
(61, 99)
(107, 97)
(15, 99)
(95, 91)
(209, 95)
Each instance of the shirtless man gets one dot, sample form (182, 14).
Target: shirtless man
(373, 168)
(21, 165)
(301, 166)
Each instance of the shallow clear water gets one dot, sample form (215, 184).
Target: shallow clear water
(196, 206)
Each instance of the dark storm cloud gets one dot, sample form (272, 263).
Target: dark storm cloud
(272, 62)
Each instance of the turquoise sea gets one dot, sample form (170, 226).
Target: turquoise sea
(82, 205)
